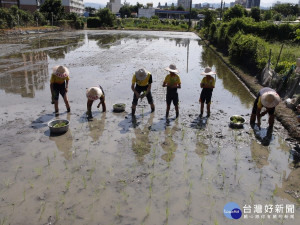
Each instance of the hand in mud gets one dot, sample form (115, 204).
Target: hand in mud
(143, 95)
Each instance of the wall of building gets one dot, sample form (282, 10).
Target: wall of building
(148, 13)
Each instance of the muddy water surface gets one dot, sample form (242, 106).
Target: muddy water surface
(113, 170)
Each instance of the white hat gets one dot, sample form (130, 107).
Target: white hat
(270, 99)
(208, 71)
(141, 74)
(61, 71)
(94, 93)
(172, 68)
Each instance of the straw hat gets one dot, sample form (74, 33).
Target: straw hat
(141, 74)
(270, 99)
(94, 93)
(61, 71)
(172, 68)
(208, 71)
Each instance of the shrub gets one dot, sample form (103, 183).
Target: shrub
(93, 22)
(247, 50)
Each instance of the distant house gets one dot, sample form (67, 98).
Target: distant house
(75, 6)
(114, 6)
(148, 12)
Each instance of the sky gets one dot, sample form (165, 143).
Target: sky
(264, 3)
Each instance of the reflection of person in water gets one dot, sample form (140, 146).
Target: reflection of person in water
(290, 186)
(140, 144)
(64, 144)
(260, 154)
(169, 146)
(97, 127)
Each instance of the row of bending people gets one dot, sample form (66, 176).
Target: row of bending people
(141, 86)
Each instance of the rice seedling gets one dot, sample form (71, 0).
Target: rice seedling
(252, 196)
(216, 222)
(7, 182)
(84, 182)
(48, 159)
(56, 213)
(68, 185)
(117, 212)
(3, 221)
(24, 194)
(38, 171)
(91, 171)
(42, 209)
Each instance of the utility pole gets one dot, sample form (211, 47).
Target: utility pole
(190, 14)
(221, 9)
(52, 18)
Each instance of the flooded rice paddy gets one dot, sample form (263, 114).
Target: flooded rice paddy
(113, 170)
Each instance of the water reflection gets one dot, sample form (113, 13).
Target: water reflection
(169, 145)
(107, 40)
(201, 148)
(259, 154)
(97, 127)
(290, 186)
(141, 145)
(24, 73)
(64, 144)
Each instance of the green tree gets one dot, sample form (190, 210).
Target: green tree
(106, 17)
(90, 10)
(55, 7)
(40, 18)
(136, 7)
(286, 9)
(237, 11)
(255, 14)
(267, 15)
(125, 11)
(194, 13)
(180, 8)
(210, 17)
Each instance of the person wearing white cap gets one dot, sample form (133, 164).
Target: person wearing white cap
(141, 82)
(92, 94)
(172, 82)
(207, 84)
(269, 99)
(59, 84)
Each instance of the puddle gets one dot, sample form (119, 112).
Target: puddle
(115, 170)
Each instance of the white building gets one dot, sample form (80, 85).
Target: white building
(114, 6)
(184, 3)
(148, 12)
(75, 6)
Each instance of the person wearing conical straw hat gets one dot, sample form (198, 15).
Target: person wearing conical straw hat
(172, 82)
(207, 84)
(141, 82)
(59, 84)
(92, 94)
(269, 99)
